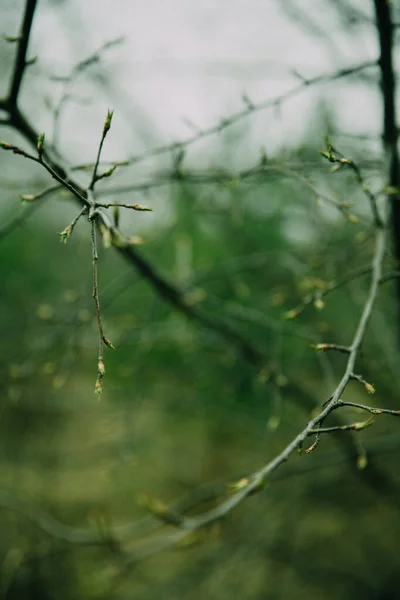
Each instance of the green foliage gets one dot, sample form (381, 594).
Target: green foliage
(182, 406)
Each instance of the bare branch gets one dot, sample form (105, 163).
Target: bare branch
(20, 61)
(100, 361)
(370, 409)
(358, 426)
(253, 108)
(390, 135)
(137, 207)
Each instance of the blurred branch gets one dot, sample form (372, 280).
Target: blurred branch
(254, 482)
(31, 204)
(390, 134)
(252, 108)
(20, 61)
(69, 80)
(219, 177)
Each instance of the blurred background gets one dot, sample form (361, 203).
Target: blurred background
(187, 410)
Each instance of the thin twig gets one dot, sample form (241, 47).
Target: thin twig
(253, 108)
(55, 175)
(31, 203)
(359, 426)
(370, 409)
(106, 129)
(66, 233)
(68, 80)
(137, 207)
(100, 361)
(93, 215)
(331, 286)
(335, 156)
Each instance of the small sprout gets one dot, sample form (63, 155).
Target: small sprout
(319, 303)
(370, 388)
(101, 368)
(107, 122)
(65, 234)
(11, 39)
(108, 343)
(312, 447)
(320, 347)
(98, 388)
(362, 462)
(106, 237)
(28, 198)
(359, 426)
(160, 510)
(110, 171)
(290, 314)
(335, 168)
(7, 146)
(237, 486)
(353, 218)
(142, 208)
(318, 201)
(40, 145)
(328, 155)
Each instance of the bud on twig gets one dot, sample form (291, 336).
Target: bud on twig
(107, 122)
(40, 145)
(65, 234)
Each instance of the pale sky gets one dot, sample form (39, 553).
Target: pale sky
(184, 60)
